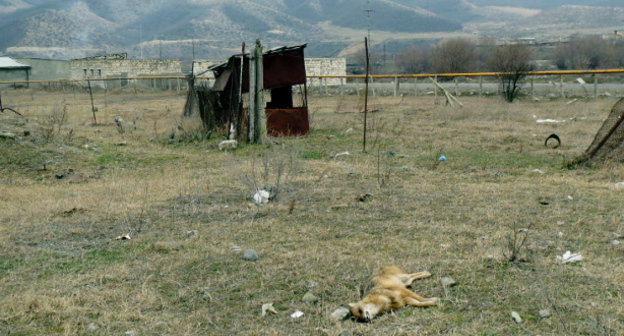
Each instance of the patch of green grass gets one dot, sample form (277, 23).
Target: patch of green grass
(502, 160)
(8, 263)
(87, 261)
(114, 157)
(314, 155)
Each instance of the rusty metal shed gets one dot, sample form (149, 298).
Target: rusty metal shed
(283, 69)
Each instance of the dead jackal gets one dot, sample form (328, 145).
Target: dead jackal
(389, 293)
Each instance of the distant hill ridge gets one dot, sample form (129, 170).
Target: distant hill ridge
(77, 28)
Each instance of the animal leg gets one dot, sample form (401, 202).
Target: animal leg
(409, 278)
(427, 303)
(413, 296)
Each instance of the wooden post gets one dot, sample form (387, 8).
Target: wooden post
(416, 86)
(396, 86)
(257, 120)
(456, 87)
(561, 86)
(532, 88)
(93, 109)
(366, 92)
(371, 80)
(435, 91)
(480, 86)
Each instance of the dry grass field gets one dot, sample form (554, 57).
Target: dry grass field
(69, 188)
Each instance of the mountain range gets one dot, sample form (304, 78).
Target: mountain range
(216, 28)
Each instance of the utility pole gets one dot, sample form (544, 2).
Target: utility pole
(369, 17)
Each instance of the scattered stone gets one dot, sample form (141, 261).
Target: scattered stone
(539, 171)
(92, 327)
(131, 333)
(341, 154)
(349, 130)
(310, 298)
(123, 237)
(228, 145)
(516, 317)
(236, 249)
(364, 197)
(569, 198)
(340, 314)
(250, 255)
(619, 185)
(442, 158)
(447, 282)
(268, 308)
(312, 284)
(297, 314)
(615, 242)
(616, 235)
(192, 234)
(544, 313)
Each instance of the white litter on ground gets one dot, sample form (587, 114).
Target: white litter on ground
(549, 121)
(261, 197)
(569, 257)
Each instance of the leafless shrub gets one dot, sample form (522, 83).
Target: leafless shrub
(516, 244)
(270, 171)
(55, 124)
(513, 62)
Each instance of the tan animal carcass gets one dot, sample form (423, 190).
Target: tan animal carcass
(389, 293)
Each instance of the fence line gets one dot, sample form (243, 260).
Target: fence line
(322, 82)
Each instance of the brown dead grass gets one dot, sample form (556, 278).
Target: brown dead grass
(62, 272)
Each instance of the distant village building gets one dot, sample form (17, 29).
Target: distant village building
(326, 67)
(12, 70)
(118, 66)
(314, 67)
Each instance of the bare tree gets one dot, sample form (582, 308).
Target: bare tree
(586, 52)
(513, 62)
(359, 60)
(414, 60)
(454, 55)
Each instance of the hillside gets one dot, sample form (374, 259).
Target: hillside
(216, 28)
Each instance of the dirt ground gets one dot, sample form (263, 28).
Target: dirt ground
(494, 216)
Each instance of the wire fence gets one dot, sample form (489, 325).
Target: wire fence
(577, 83)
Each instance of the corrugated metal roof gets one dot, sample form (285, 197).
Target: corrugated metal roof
(9, 63)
